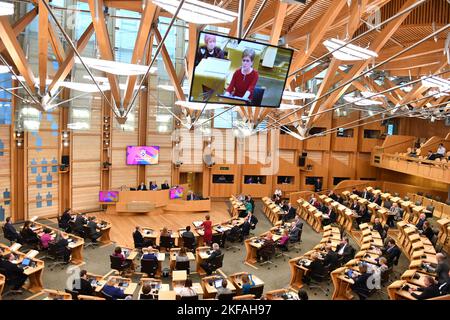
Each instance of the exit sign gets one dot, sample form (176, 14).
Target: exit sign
(224, 168)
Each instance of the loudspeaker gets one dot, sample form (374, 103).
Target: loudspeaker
(65, 160)
(301, 161)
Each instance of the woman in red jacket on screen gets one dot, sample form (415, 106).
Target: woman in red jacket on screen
(245, 78)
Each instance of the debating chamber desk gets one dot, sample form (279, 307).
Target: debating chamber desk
(146, 202)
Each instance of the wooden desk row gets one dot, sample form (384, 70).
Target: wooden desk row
(236, 206)
(272, 211)
(34, 273)
(441, 209)
(310, 214)
(369, 253)
(104, 228)
(331, 235)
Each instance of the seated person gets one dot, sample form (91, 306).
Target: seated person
(209, 49)
(187, 290)
(62, 245)
(188, 234)
(236, 233)
(252, 220)
(46, 237)
(149, 254)
(209, 264)
(153, 186)
(284, 240)
(251, 201)
(382, 265)
(165, 185)
(413, 153)
(10, 232)
(82, 285)
(440, 153)
(302, 295)
(139, 241)
(332, 195)
(244, 79)
(344, 250)
(316, 269)
(13, 273)
(267, 248)
(360, 285)
(394, 214)
(146, 292)
(355, 191)
(247, 283)
(92, 226)
(182, 255)
(355, 206)
(364, 215)
(64, 220)
(290, 213)
(366, 194)
(377, 200)
(125, 263)
(431, 156)
(142, 187)
(391, 252)
(28, 235)
(80, 221)
(294, 233)
(431, 289)
(441, 269)
(330, 216)
(422, 219)
(190, 196)
(444, 288)
(377, 226)
(223, 289)
(109, 289)
(330, 261)
(427, 231)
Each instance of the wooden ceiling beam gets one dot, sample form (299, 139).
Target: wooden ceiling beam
(315, 38)
(249, 6)
(56, 44)
(101, 33)
(21, 24)
(43, 40)
(143, 33)
(376, 45)
(67, 64)
(266, 18)
(170, 68)
(16, 53)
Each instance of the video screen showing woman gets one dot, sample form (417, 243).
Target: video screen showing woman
(245, 78)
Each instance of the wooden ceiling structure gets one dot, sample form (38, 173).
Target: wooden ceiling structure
(403, 43)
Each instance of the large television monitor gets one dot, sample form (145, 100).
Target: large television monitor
(108, 196)
(176, 193)
(142, 155)
(239, 72)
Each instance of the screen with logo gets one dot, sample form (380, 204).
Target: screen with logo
(142, 155)
(176, 193)
(108, 196)
(239, 72)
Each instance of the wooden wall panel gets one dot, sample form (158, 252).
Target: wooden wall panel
(85, 198)
(422, 128)
(86, 147)
(122, 174)
(85, 174)
(363, 168)
(288, 156)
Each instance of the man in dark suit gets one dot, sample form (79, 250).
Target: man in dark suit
(190, 196)
(344, 250)
(139, 241)
(355, 191)
(82, 285)
(188, 234)
(165, 185)
(10, 232)
(209, 264)
(366, 194)
(318, 185)
(142, 187)
(13, 272)
(329, 216)
(442, 269)
(377, 226)
(377, 199)
(246, 226)
(391, 252)
(332, 195)
(360, 282)
(80, 221)
(252, 220)
(422, 219)
(431, 290)
(64, 220)
(330, 260)
(92, 226)
(290, 213)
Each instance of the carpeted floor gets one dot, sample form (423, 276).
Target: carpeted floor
(275, 276)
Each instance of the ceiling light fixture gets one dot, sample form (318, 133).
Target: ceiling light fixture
(433, 81)
(114, 67)
(198, 12)
(5, 69)
(348, 53)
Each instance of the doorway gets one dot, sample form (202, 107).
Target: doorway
(194, 180)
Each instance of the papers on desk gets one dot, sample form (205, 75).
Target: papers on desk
(15, 247)
(197, 224)
(33, 219)
(31, 254)
(222, 229)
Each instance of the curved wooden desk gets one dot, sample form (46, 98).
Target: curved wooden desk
(135, 202)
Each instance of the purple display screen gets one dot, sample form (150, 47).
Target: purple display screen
(142, 154)
(108, 196)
